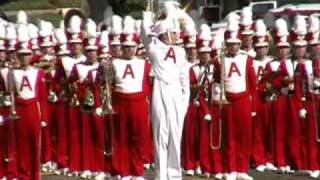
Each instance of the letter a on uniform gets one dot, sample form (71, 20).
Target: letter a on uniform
(170, 54)
(234, 69)
(128, 71)
(25, 83)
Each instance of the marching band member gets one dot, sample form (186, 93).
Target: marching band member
(170, 92)
(46, 60)
(215, 105)
(85, 95)
(240, 86)
(131, 90)
(262, 144)
(201, 78)
(11, 62)
(114, 36)
(31, 107)
(275, 94)
(115, 162)
(57, 97)
(3, 92)
(246, 32)
(302, 145)
(190, 137)
(313, 41)
(75, 39)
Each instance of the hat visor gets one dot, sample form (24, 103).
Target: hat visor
(24, 51)
(129, 43)
(91, 48)
(115, 43)
(230, 41)
(261, 44)
(190, 45)
(249, 32)
(300, 43)
(63, 52)
(48, 44)
(283, 44)
(75, 41)
(205, 49)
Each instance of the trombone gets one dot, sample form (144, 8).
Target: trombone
(222, 100)
(13, 116)
(108, 73)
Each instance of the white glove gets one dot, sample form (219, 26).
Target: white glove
(207, 117)
(253, 114)
(98, 111)
(217, 90)
(43, 124)
(1, 120)
(316, 83)
(303, 113)
(147, 17)
(196, 103)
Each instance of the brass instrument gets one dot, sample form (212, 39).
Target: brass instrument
(88, 102)
(223, 98)
(52, 97)
(73, 101)
(108, 73)
(108, 77)
(13, 114)
(1, 98)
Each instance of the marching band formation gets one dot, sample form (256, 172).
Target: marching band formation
(107, 101)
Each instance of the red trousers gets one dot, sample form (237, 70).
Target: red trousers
(262, 134)
(302, 136)
(190, 139)
(280, 116)
(216, 139)
(294, 133)
(237, 124)
(2, 146)
(133, 124)
(27, 135)
(310, 143)
(74, 138)
(47, 137)
(87, 142)
(98, 126)
(60, 119)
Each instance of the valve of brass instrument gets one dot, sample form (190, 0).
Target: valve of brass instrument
(1, 98)
(88, 102)
(7, 100)
(74, 101)
(52, 97)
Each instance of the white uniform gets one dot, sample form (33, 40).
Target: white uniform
(169, 103)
